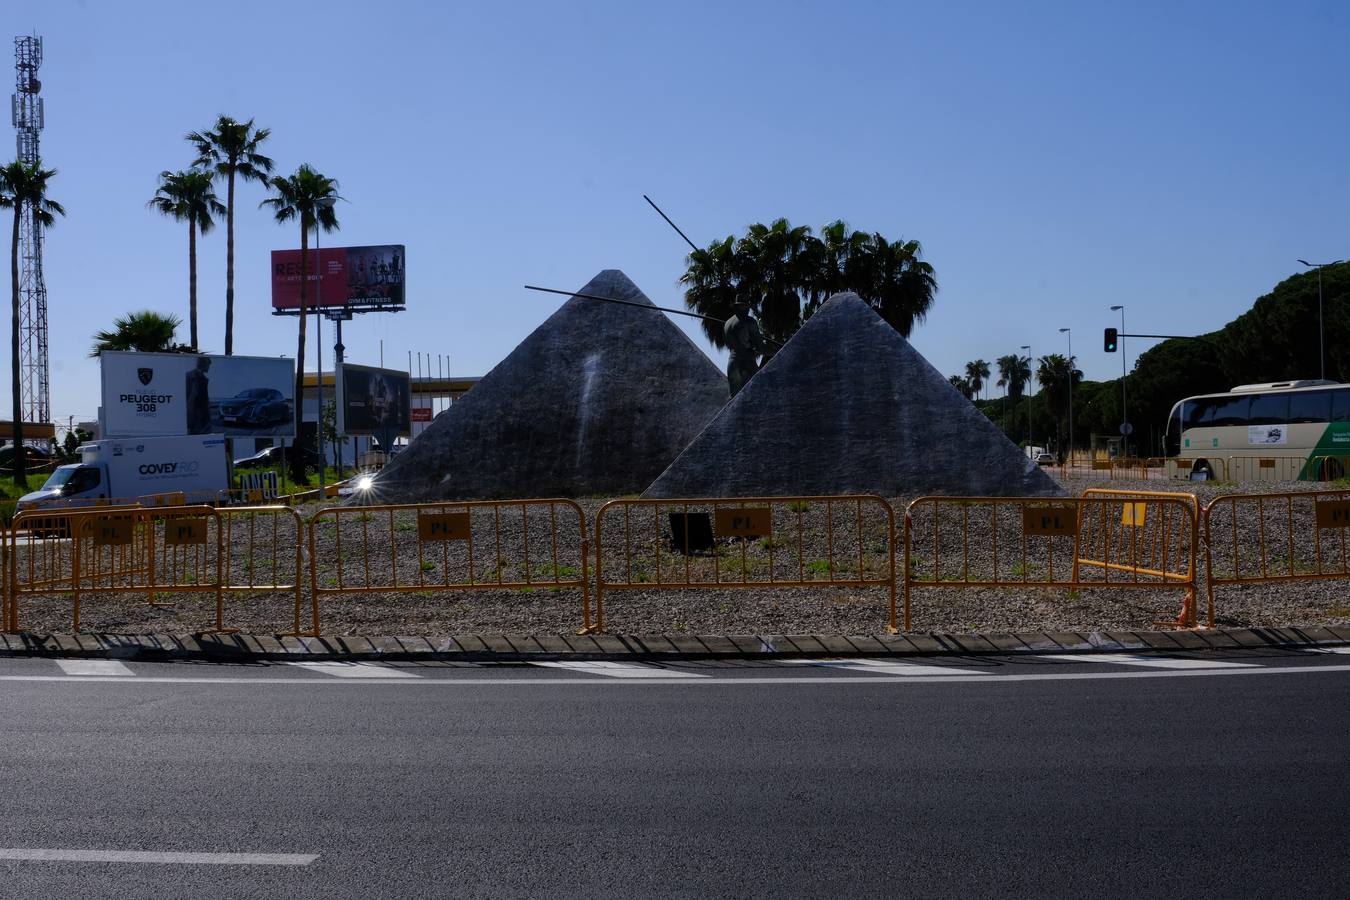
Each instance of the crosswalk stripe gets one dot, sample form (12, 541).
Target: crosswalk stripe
(1152, 662)
(354, 670)
(882, 667)
(618, 670)
(93, 667)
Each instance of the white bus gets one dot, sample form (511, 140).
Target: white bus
(1282, 431)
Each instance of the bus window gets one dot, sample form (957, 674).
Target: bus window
(1269, 409)
(1199, 411)
(1228, 411)
(1309, 406)
(1340, 406)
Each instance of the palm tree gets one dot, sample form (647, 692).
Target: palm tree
(187, 197)
(977, 373)
(143, 332)
(785, 273)
(962, 384)
(895, 282)
(23, 186)
(230, 149)
(710, 282)
(775, 259)
(309, 197)
(1056, 373)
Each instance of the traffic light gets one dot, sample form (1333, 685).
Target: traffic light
(1109, 340)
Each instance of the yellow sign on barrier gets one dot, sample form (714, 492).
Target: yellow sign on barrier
(1134, 514)
(112, 531)
(745, 523)
(185, 531)
(452, 526)
(1333, 514)
(1050, 520)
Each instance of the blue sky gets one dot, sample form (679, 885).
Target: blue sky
(1053, 159)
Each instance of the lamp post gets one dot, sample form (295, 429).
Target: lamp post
(1124, 407)
(320, 204)
(1069, 333)
(1321, 345)
(1027, 347)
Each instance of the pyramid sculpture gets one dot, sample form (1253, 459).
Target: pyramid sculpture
(849, 406)
(596, 401)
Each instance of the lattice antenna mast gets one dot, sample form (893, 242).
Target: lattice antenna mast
(27, 107)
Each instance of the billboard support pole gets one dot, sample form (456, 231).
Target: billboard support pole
(337, 388)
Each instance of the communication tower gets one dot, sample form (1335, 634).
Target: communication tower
(34, 380)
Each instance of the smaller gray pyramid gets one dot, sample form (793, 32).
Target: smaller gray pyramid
(596, 401)
(848, 406)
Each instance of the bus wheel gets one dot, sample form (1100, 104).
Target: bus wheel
(1204, 470)
(1331, 469)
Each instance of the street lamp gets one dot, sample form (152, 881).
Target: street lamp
(1027, 347)
(1069, 332)
(1124, 407)
(321, 204)
(1321, 346)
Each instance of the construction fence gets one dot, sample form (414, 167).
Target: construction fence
(1148, 545)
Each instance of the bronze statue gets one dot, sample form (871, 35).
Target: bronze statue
(746, 343)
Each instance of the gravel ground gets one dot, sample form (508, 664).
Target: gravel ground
(361, 558)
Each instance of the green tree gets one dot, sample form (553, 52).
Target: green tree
(977, 373)
(144, 332)
(1013, 374)
(962, 384)
(1056, 373)
(785, 273)
(23, 187)
(309, 197)
(229, 149)
(188, 197)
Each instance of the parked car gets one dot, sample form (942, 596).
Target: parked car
(275, 458)
(34, 459)
(255, 407)
(1045, 459)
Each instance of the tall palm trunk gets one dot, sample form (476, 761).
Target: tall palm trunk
(297, 463)
(19, 462)
(192, 278)
(229, 274)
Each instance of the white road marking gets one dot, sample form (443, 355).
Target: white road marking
(94, 667)
(702, 681)
(1151, 662)
(619, 670)
(354, 670)
(145, 856)
(883, 667)
(1326, 649)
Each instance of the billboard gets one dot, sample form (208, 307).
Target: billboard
(355, 277)
(377, 402)
(149, 394)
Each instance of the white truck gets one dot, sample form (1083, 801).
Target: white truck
(127, 468)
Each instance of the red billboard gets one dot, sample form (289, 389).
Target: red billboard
(421, 414)
(351, 277)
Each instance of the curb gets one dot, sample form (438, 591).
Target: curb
(526, 648)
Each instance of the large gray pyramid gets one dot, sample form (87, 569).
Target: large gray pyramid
(597, 400)
(849, 406)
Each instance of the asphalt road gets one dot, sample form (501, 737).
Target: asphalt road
(1012, 777)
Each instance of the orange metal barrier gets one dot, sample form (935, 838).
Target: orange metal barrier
(264, 554)
(114, 550)
(1266, 468)
(439, 547)
(744, 543)
(1132, 540)
(1260, 538)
